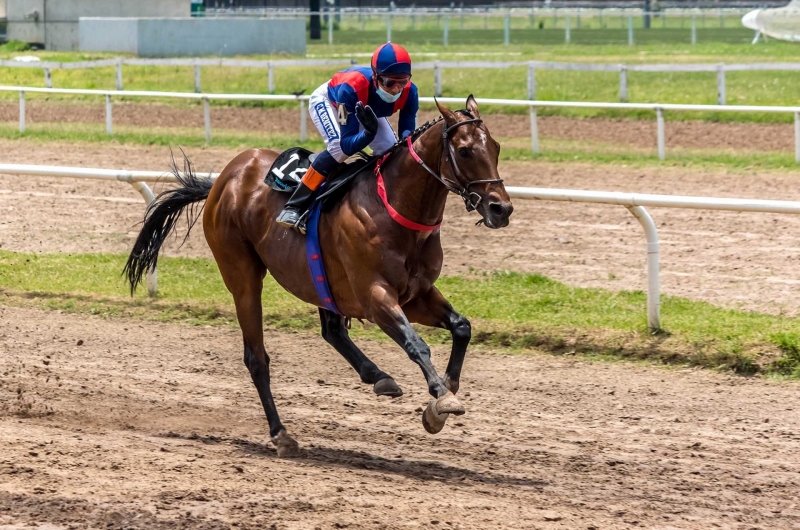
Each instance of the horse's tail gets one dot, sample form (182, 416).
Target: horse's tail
(161, 217)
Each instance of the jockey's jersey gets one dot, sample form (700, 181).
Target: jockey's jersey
(350, 86)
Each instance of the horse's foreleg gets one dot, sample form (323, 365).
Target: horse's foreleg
(435, 311)
(243, 273)
(389, 316)
(335, 333)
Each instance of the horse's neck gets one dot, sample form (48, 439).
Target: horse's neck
(412, 190)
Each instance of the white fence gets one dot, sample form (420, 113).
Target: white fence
(634, 202)
(438, 68)
(658, 108)
(626, 21)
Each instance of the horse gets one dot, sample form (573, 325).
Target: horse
(379, 270)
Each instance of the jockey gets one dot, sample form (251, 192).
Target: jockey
(350, 112)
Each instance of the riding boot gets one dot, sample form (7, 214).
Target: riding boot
(293, 212)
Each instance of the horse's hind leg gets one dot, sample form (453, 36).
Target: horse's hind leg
(243, 273)
(335, 333)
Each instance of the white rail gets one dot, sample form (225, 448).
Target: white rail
(634, 202)
(437, 66)
(658, 108)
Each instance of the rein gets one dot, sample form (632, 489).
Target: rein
(471, 199)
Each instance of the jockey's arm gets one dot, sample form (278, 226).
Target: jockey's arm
(408, 114)
(353, 140)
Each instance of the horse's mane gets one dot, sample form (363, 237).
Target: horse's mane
(416, 133)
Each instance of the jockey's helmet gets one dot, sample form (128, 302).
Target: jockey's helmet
(391, 60)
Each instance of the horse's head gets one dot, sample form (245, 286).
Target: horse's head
(471, 154)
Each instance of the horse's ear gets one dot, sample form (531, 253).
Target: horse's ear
(472, 106)
(447, 114)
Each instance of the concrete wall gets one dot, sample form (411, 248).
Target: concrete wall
(55, 24)
(192, 37)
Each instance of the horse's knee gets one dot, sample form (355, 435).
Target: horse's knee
(461, 329)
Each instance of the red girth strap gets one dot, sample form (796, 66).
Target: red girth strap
(394, 214)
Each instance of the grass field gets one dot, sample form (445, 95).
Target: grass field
(508, 311)
(751, 88)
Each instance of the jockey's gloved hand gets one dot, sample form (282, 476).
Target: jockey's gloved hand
(405, 135)
(366, 116)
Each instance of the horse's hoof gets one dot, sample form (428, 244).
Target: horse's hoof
(449, 404)
(287, 446)
(433, 421)
(387, 387)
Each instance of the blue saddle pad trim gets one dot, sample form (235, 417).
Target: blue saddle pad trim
(314, 256)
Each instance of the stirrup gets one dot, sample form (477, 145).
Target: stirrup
(300, 225)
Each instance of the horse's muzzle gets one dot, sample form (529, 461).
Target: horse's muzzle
(496, 214)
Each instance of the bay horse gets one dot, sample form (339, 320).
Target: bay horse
(378, 269)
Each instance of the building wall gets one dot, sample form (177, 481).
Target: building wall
(193, 37)
(56, 23)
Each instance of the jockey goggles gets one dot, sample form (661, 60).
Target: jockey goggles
(391, 82)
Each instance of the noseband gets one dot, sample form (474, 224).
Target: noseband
(471, 199)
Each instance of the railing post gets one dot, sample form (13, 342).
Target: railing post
(271, 76)
(534, 131)
(437, 79)
(389, 28)
(119, 74)
(623, 83)
(630, 30)
(303, 121)
(653, 282)
(207, 119)
(446, 30)
(507, 30)
(152, 275)
(531, 81)
(197, 87)
(660, 133)
(567, 37)
(109, 119)
(694, 29)
(721, 84)
(797, 137)
(330, 29)
(22, 111)
(48, 78)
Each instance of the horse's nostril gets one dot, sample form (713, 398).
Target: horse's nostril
(496, 208)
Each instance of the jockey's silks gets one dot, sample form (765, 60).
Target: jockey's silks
(350, 86)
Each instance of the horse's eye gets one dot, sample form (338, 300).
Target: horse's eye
(464, 152)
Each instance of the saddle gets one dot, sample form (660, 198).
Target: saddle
(290, 166)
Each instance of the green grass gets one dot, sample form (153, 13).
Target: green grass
(750, 88)
(508, 310)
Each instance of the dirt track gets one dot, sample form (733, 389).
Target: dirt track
(126, 425)
(121, 424)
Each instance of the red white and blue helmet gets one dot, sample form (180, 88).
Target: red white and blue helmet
(391, 60)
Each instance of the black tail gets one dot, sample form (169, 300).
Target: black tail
(161, 217)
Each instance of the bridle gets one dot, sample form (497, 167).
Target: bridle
(471, 199)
